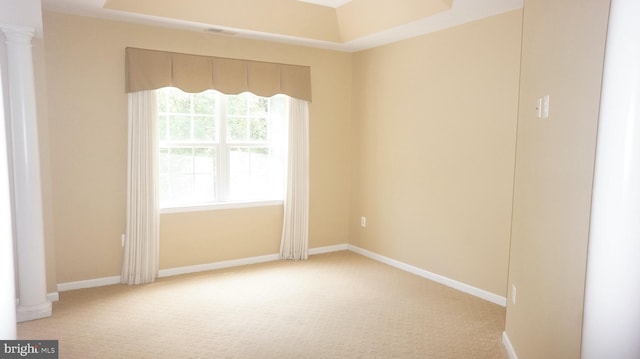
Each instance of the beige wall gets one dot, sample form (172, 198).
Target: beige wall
(563, 47)
(88, 139)
(215, 236)
(436, 121)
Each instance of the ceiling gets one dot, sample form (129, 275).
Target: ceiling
(343, 25)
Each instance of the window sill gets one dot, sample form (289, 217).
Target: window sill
(219, 206)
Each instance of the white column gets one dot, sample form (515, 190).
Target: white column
(32, 280)
(611, 326)
(7, 288)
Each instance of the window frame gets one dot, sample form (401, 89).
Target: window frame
(222, 144)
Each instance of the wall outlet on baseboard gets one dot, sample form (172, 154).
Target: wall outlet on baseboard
(513, 293)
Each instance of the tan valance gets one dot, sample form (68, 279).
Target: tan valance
(150, 70)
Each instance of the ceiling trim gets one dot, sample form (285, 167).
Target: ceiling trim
(462, 11)
(328, 3)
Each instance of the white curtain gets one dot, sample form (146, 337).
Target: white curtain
(295, 230)
(141, 249)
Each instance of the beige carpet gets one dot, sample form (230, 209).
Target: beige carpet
(336, 305)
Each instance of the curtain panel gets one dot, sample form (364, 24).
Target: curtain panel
(141, 249)
(151, 70)
(294, 244)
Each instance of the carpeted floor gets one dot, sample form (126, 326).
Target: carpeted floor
(336, 305)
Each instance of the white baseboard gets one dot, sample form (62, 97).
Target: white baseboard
(328, 249)
(89, 283)
(507, 344)
(99, 282)
(241, 262)
(217, 265)
(53, 296)
(463, 287)
(39, 311)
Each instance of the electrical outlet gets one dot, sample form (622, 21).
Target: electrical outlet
(513, 293)
(122, 239)
(363, 221)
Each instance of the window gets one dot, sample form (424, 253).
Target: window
(220, 148)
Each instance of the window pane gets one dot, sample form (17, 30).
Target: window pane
(278, 109)
(205, 102)
(205, 161)
(258, 106)
(162, 128)
(180, 160)
(237, 105)
(254, 174)
(164, 188)
(277, 105)
(181, 187)
(161, 97)
(178, 101)
(239, 159)
(163, 161)
(187, 175)
(259, 130)
(236, 129)
(204, 128)
(179, 128)
(240, 173)
(164, 177)
(259, 161)
(204, 187)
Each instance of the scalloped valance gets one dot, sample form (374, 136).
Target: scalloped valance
(151, 70)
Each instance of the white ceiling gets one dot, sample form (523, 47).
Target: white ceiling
(329, 3)
(461, 12)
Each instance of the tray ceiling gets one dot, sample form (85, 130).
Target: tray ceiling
(344, 25)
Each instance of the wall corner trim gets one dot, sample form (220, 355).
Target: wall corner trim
(507, 344)
(463, 287)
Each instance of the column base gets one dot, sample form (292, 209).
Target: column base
(31, 312)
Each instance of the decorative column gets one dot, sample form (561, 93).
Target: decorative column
(32, 279)
(611, 326)
(7, 291)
